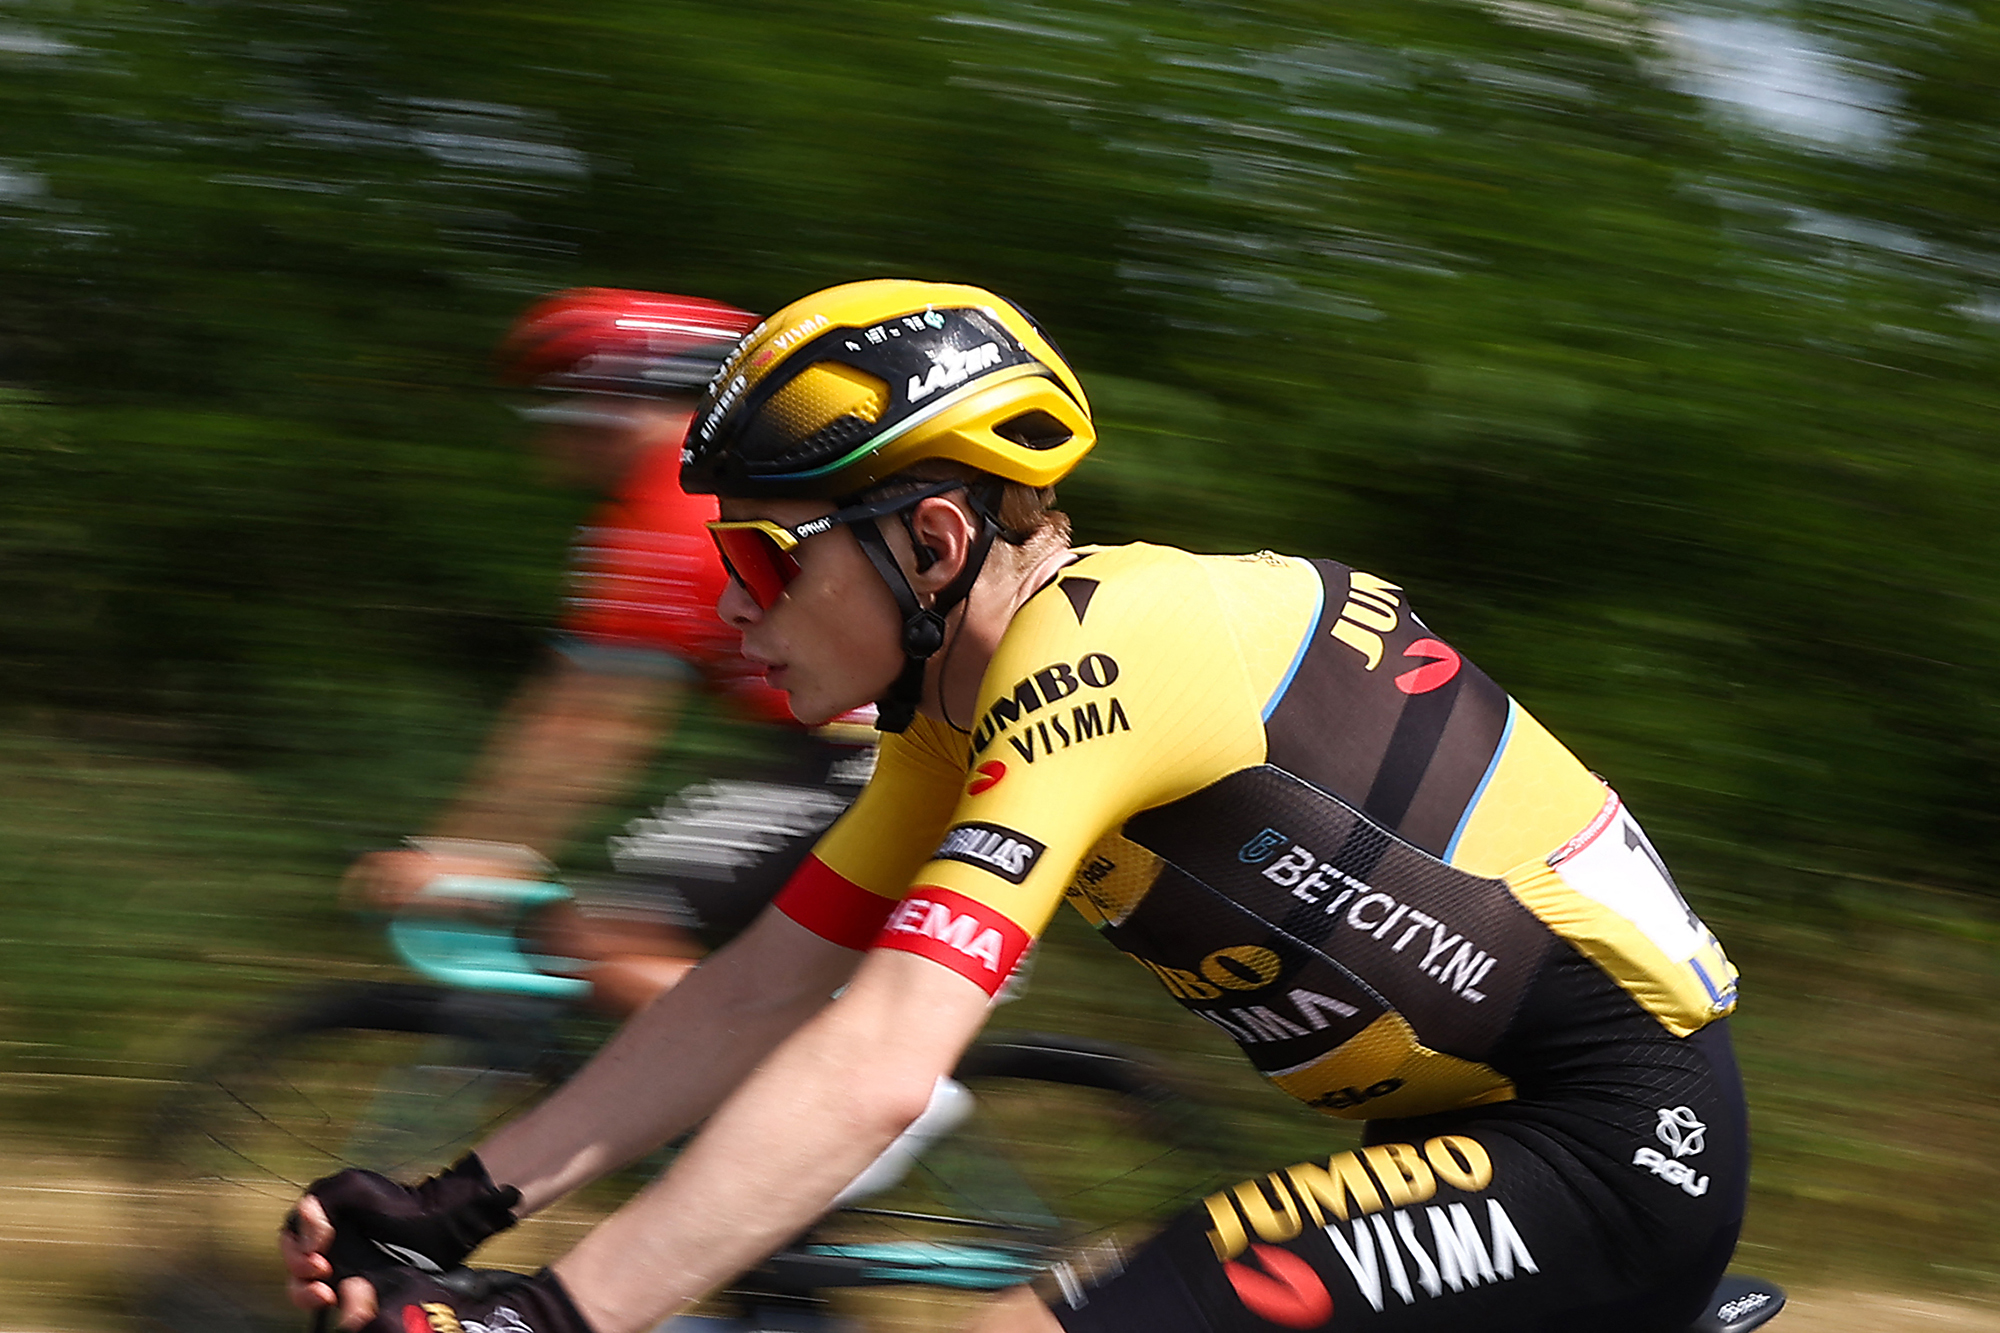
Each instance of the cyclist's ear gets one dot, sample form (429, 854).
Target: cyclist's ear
(941, 537)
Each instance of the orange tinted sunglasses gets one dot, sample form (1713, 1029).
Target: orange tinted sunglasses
(757, 552)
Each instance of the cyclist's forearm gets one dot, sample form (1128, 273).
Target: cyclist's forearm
(569, 740)
(672, 1064)
(815, 1114)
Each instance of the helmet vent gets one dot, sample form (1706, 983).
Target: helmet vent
(837, 436)
(1034, 430)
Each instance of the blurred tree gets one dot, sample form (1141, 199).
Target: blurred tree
(1677, 421)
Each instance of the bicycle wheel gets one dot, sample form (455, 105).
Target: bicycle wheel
(1071, 1146)
(396, 1078)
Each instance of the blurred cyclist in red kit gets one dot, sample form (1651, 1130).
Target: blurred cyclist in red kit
(617, 375)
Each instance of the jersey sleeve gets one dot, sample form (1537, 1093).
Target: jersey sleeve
(861, 866)
(1117, 688)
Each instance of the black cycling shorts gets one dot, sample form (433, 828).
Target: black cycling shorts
(1612, 1206)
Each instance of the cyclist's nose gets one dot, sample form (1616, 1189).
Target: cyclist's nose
(737, 607)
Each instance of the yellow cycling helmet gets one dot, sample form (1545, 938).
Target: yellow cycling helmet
(849, 386)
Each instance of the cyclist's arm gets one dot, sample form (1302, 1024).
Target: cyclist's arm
(808, 1120)
(573, 737)
(1129, 716)
(666, 1070)
(673, 1063)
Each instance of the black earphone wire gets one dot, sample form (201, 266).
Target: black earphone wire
(944, 663)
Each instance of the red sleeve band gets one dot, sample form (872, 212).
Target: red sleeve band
(832, 906)
(963, 933)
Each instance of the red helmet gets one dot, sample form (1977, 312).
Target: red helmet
(609, 340)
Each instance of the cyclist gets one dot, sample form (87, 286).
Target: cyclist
(1321, 827)
(618, 374)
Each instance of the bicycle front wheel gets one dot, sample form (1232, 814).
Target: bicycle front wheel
(1072, 1146)
(399, 1079)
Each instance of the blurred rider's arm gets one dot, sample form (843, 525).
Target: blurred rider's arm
(571, 739)
(613, 374)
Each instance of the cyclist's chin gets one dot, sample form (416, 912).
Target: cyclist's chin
(816, 703)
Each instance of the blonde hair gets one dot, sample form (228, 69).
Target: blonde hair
(1024, 513)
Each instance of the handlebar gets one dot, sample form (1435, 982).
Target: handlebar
(484, 955)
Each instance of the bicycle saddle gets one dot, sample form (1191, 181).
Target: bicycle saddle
(1739, 1305)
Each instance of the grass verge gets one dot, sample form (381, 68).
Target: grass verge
(147, 901)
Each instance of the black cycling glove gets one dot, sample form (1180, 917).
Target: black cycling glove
(431, 1226)
(471, 1300)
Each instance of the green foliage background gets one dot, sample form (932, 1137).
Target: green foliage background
(1682, 427)
(1679, 423)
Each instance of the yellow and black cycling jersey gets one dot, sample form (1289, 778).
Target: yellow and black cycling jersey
(1320, 827)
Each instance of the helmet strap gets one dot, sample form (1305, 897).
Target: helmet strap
(923, 626)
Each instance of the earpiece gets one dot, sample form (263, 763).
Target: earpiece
(926, 555)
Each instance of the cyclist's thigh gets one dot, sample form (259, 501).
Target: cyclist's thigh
(1506, 1218)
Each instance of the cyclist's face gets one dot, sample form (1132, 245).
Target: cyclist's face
(833, 640)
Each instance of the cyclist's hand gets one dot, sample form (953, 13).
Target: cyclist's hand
(390, 881)
(432, 1225)
(357, 1221)
(303, 1241)
(406, 1301)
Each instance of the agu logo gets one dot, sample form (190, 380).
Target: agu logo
(1684, 1135)
(1284, 1291)
(1344, 1099)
